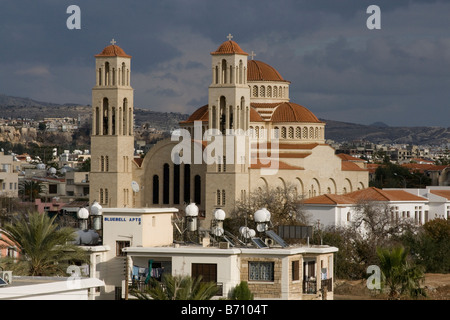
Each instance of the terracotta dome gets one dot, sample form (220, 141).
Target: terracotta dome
(202, 114)
(229, 47)
(292, 112)
(260, 71)
(113, 51)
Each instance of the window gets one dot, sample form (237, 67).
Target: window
(155, 189)
(119, 246)
(295, 270)
(197, 189)
(260, 271)
(208, 271)
(166, 188)
(218, 197)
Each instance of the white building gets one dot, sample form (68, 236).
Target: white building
(339, 210)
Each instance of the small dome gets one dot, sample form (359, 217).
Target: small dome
(229, 47)
(201, 114)
(113, 51)
(292, 112)
(260, 71)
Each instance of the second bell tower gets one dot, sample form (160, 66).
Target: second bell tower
(112, 138)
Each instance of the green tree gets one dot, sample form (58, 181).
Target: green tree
(44, 248)
(177, 288)
(242, 292)
(430, 247)
(400, 276)
(30, 189)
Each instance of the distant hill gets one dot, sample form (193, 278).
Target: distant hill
(378, 132)
(344, 131)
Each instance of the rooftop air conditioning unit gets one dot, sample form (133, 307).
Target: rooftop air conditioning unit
(6, 276)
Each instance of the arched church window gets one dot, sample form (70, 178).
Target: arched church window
(276, 133)
(298, 133)
(305, 133)
(176, 184)
(125, 116)
(222, 113)
(187, 183)
(107, 76)
(214, 117)
(155, 189)
(124, 73)
(269, 91)
(223, 197)
(255, 91)
(166, 183)
(197, 189)
(311, 133)
(216, 80)
(275, 92)
(316, 133)
(218, 197)
(224, 71)
(262, 91)
(105, 108)
(283, 132)
(280, 92)
(291, 133)
(256, 132)
(240, 71)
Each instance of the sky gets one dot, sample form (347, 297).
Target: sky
(338, 68)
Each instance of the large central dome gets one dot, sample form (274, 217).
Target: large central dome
(260, 71)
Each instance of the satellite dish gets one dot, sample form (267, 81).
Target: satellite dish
(135, 186)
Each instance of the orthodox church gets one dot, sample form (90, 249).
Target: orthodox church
(283, 143)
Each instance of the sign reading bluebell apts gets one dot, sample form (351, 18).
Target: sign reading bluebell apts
(123, 219)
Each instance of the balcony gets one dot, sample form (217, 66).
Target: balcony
(141, 286)
(310, 286)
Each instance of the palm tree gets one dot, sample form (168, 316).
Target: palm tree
(29, 189)
(45, 249)
(400, 276)
(177, 288)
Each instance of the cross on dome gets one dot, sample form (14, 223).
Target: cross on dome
(252, 55)
(113, 42)
(229, 37)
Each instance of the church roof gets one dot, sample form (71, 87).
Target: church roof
(292, 112)
(202, 114)
(112, 51)
(260, 71)
(229, 47)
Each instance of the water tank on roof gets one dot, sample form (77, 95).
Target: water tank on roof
(86, 237)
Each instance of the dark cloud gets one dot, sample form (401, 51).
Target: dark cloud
(338, 68)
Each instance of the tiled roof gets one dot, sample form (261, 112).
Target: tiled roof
(229, 47)
(292, 112)
(113, 51)
(351, 166)
(368, 194)
(347, 157)
(201, 114)
(260, 71)
(280, 165)
(441, 193)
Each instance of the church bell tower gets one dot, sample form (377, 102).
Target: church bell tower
(112, 137)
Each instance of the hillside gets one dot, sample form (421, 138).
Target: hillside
(14, 107)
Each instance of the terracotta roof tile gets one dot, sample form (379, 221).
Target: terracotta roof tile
(260, 71)
(441, 193)
(112, 51)
(292, 112)
(368, 194)
(229, 47)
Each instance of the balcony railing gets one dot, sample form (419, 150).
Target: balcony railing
(310, 286)
(141, 286)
